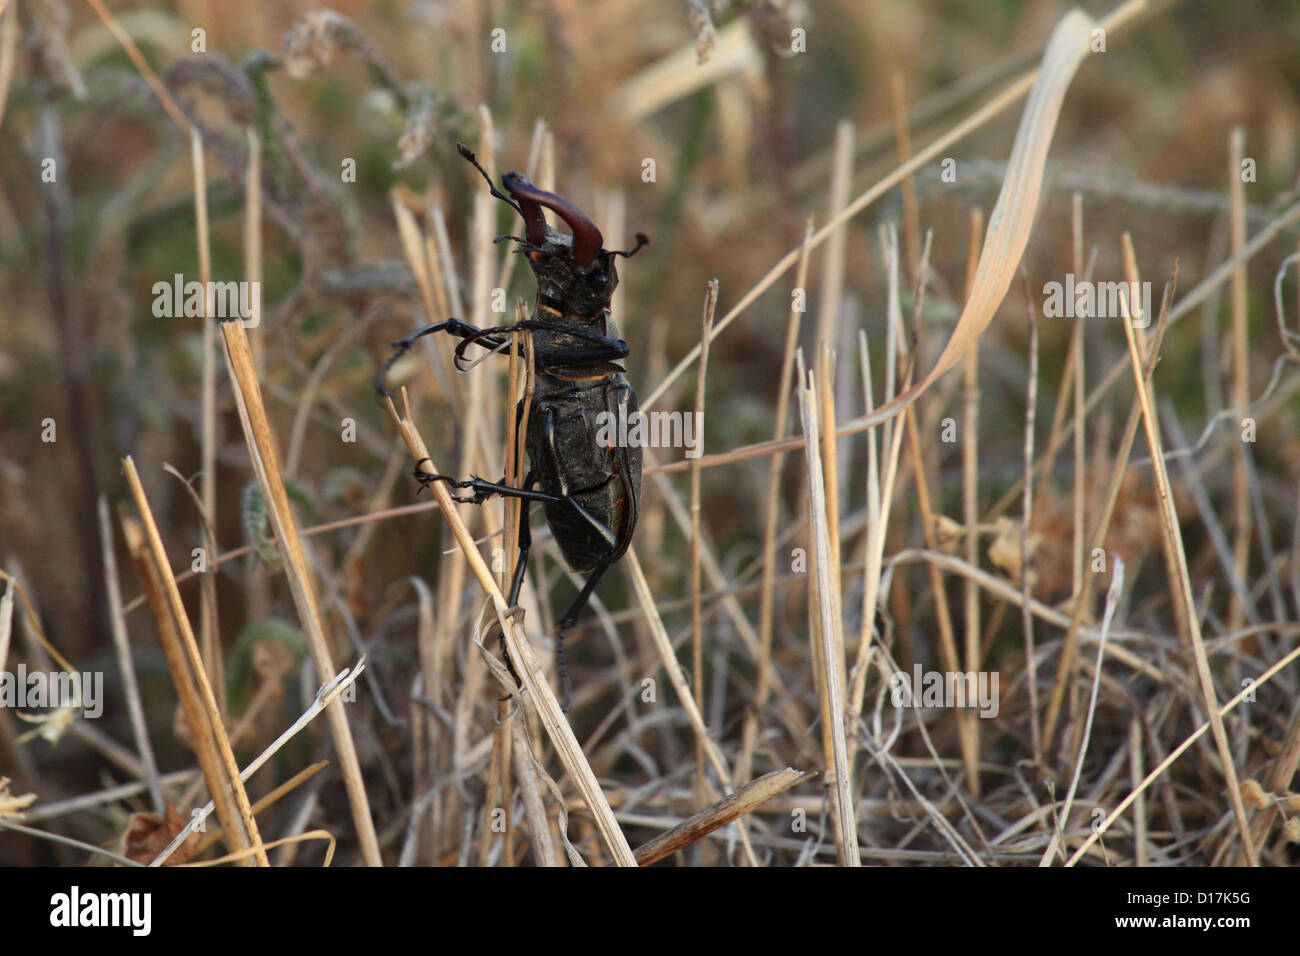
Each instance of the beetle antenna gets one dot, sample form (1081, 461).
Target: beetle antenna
(468, 154)
(641, 240)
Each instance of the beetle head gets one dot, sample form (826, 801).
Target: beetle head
(574, 271)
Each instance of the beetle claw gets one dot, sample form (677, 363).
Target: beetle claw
(426, 478)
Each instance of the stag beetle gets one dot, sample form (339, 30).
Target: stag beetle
(590, 493)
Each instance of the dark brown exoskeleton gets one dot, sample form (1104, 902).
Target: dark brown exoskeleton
(589, 492)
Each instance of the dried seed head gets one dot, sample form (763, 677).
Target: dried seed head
(1253, 795)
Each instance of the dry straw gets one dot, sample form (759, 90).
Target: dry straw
(829, 657)
(265, 462)
(202, 714)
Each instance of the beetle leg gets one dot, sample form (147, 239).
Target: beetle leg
(514, 613)
(614, 351)
(601, 348)
(505, 652)
(525, 545)
(453, 326)
(571, 615)
(426, 478)
(568, 620)
(483, 490)
(517, 584)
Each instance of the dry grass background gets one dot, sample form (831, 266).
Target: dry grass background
(732, 705)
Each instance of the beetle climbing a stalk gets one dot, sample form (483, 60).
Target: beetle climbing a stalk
(589, 492)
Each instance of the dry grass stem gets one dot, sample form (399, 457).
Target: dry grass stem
(731, 807)
(697, 617)
(203, 714)
(122, 646)
(1174, 538)
(830, 661)
(265, 462)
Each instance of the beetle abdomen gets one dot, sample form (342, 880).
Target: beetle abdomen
(569, 459)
